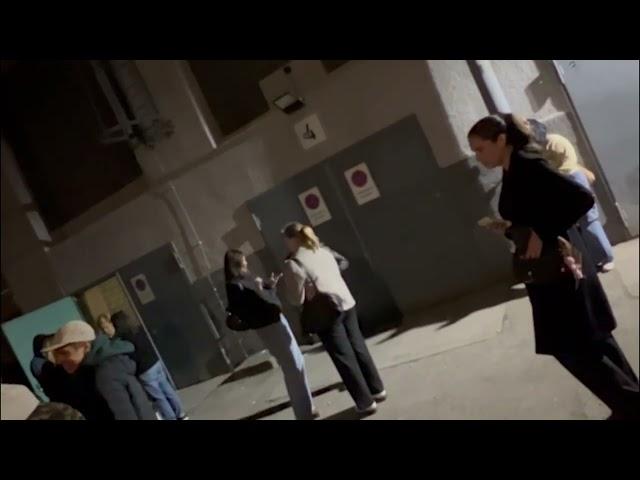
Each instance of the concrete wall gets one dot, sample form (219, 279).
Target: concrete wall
(25, 262)
(214, 177)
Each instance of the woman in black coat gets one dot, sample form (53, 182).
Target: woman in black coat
(255, 302)
(572, 317)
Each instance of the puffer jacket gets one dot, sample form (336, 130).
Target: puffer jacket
(116, 379)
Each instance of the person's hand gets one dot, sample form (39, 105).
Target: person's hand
(495, 225)
(534, 247)
(273, 280)
(259, 282)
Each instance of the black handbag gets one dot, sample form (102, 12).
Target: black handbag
(550, 267)
(235, 323)
(254, 312)
(320, 313)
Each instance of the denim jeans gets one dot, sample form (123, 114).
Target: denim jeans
(282, 345)
(159, 388)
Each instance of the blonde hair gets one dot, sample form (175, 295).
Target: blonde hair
(103, 317)
(561, 155)
(304, 233)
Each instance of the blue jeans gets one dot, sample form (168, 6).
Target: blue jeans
(282, 345)
(597, 242)
(165, 399)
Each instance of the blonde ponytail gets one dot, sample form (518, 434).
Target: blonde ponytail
(304, 233)
(309, 238)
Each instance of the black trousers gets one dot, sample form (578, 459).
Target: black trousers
(348, 351)
(605, 371)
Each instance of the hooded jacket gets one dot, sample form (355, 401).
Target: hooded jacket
(115, 379)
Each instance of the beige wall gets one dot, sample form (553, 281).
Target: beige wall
(213, 182)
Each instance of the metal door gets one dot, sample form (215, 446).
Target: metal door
(604, 94)
(421, 233)
(273, 209)
(171, 313)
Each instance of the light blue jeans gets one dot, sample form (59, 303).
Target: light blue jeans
(281, 343)
(159, 388)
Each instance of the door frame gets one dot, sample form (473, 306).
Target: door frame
(620, 214)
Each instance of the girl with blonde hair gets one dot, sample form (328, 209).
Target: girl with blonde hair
(313, 272)
(561, 155)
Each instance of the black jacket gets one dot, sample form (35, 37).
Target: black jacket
(144, 355)
(116, 381)
(77, 390)
(566, 317)
(253, 309)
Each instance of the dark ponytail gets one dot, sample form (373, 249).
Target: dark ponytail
(515, 128)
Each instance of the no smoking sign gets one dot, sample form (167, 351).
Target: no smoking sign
(362, 185)
(314, 206)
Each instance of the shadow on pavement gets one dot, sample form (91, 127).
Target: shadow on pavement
(248, 372)
(284, 405)
(348, 414)
(450, 312)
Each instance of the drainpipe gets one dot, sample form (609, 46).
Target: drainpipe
(202, 265)
(489, 86)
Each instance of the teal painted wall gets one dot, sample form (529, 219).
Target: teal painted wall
(21, 331)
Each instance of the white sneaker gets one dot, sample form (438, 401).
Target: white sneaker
(370, 410)
(607, 267)
(380, 397)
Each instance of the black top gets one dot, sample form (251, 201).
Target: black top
(145, 355)
(566, 317)
(77, 390)
(250, 307)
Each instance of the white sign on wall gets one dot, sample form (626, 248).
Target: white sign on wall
(310, 132)
(142, 289)
(314, 206)
(362, 185)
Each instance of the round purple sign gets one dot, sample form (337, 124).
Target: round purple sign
(312, 201)
(359, 178)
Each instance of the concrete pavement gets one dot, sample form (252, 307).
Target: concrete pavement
(469, 359)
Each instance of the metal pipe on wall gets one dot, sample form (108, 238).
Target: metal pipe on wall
(489, 86)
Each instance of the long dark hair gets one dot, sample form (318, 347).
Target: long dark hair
(38, 344)
(232, 263)
(122, 323)
(515, 128)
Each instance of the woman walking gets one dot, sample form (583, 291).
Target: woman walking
(561, 155)
(312, 269)
(571, 314)
(255, 303)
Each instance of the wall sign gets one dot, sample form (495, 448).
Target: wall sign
(362, 185)
(314, 206)
(310, 132)
(142, 289)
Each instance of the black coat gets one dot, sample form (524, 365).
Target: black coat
(255, 310)
(144, 355)
(77, 390)
(567, 317)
